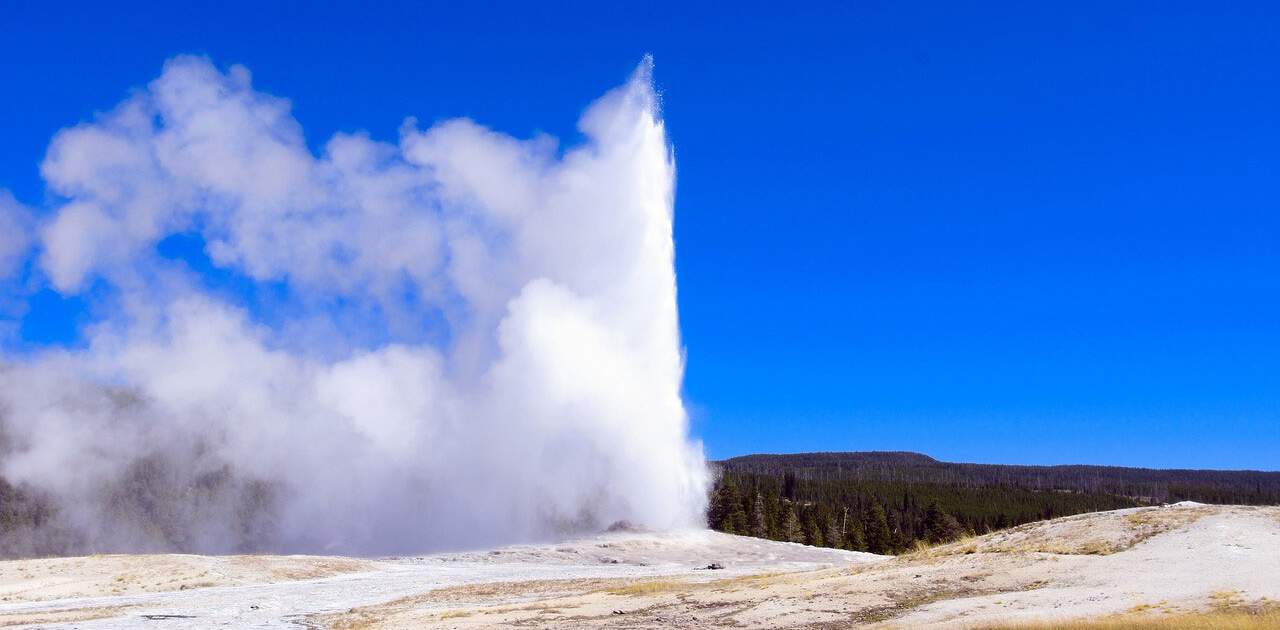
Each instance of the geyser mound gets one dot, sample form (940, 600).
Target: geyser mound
(459, 339)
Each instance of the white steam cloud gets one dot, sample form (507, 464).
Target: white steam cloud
(460, 339)
(15, 234)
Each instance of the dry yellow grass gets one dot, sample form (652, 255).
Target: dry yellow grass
(1229, 613)
(754, 580)
(1086, 548)
(69, 615)
(353, 622)
(739, 582)
(759, 580)
(973, 544)
(480, 599)
(1144, 608)
(1226, 600)
(1147, 523)
(925, 551)
(1216, 620)
(1028, 538)
(649, 587)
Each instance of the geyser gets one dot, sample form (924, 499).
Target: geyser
(459, 339)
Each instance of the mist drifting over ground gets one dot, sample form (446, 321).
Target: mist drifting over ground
(459, 339)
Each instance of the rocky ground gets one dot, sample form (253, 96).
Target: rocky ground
(1146, 561)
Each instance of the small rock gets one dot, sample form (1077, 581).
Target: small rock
(714, 566)
(619, 612)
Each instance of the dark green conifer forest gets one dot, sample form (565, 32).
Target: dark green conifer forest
(887, 502)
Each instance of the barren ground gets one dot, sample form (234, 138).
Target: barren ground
(1147, 561)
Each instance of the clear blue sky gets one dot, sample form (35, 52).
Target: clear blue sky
(1023, 232)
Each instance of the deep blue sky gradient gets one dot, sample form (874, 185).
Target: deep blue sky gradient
(1023, 232)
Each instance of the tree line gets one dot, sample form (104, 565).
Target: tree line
(1147, 485)
(886, 502)
(879, 517)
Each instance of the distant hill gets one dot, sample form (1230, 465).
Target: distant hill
(1148, 485)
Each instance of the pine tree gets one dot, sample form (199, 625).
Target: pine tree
(778, 518)
(725, 513)
(876, 528)
(939, 526)
(789, 486)
(738, 521)
(853, 538)
(833, 537)
(812, 532)
(759, 524)
(791, 531)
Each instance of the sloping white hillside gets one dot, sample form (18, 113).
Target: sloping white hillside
(1150, 560)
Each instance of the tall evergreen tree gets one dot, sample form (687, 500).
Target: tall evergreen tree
(812, 532)
(725, 513)
(876, 528)
(791, 531)
(939, 526)
(789, 485)
(832, 534)
(853, 538)
(759, 522)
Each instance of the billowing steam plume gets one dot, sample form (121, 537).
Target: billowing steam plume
(460, 339)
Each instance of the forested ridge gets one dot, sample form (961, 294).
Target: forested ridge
(887, 502)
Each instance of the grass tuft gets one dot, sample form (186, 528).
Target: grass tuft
(1265, 616)
(649, 587)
